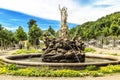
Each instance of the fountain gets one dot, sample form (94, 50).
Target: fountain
(61, 52)
(63, 49)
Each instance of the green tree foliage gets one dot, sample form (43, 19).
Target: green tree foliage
(106, 31)
(20, 34)
(7, 38)
(51, 31)
(115, 29)
(107, 26)
(34, 34)
(31, 23)
(72, 32)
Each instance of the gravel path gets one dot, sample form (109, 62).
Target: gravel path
(108, 77)
(112, 51)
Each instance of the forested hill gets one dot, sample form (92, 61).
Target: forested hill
(105, 26)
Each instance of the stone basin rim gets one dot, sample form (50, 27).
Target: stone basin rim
(11, 60)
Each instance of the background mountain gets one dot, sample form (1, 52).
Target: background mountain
(12, 19)
(108, 25)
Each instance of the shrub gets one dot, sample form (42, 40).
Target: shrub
(27, 72)
(47, 72)
(67, 73)
(89, 68)
(96, 73)
(1, 65)
(3, 70)
(110, 69)
(11, 67)
(33, 72)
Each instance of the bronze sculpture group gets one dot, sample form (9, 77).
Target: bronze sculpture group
(63, 49)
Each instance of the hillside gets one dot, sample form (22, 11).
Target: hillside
(105, 26)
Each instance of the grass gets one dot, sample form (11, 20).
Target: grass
(25, 51)
(46, 72)
(87, 49)
(106, 53)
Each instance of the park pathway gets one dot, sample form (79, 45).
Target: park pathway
(107, 77)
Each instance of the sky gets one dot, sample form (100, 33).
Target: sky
(10, 20)
(79, 11)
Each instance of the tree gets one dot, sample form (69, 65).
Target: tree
(34, 34)
(100, 27)
(72, 32)
(31, 23)
(6, 38)
(51, 31)
(105, 34)
(106, 31)
(115, 31)
(20, 34)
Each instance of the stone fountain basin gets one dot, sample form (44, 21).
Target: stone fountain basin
(14, 60)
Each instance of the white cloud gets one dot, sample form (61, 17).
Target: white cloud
(109, 2)
(49, 9)
(14, 19)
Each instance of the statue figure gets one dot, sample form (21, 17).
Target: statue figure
(64, 14)
(63, 32)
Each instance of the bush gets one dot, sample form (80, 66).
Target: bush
(3, 70)
(110, 69)
(96, 73)
(46, 72)
(67, 73)
(33, 72)
(11, 67)
(90, 68)
(89, 50)
(1, 65)
(27, 72)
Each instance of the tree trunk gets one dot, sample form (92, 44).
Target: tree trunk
(114, 40)
(34, 43)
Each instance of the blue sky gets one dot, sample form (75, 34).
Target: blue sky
(11, 20)
(85, 2)
(79, 11)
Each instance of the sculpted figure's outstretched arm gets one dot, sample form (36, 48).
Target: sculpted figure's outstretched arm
(59, 7)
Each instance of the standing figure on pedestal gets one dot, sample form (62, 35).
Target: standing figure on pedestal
(63, 32)
(64, 14)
